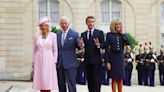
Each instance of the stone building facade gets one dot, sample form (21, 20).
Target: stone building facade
(144, 19)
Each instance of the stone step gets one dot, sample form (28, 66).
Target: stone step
(18, 88)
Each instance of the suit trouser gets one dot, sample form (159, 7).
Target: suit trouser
(93, 74)
(81, 78)
(127, 79)
(67, 76)
(140, 76)
(105, 79)
(151, 77)
(161, 76)
(145, 75)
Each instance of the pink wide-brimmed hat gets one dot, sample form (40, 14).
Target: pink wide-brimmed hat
(44, 20)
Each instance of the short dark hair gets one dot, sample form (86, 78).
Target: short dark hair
(92, 17)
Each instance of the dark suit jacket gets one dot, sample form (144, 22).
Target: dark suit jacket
(92, 52)
(66, 53)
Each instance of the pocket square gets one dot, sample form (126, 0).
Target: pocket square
(70, 38)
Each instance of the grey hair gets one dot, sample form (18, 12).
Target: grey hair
(65, 18)
(113, 24)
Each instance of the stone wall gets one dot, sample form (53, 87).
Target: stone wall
(18, 22)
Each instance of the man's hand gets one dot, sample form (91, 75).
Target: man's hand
(81, 43)
(96, 40)
(108, 66)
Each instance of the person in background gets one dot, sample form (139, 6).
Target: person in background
(160, 60)
(145, 65)
(140, 66)
(68, 41)
(105, 78)
(146, 48)
(151, 68)
(140, 48)
(114, 52)
(93, 41)
(45, 54)
(81, 76)
(150, 45)
(128, 66)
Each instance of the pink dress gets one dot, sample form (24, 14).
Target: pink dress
(44, 61)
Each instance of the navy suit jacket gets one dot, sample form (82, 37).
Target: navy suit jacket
(115, 43)
(67, 53)
(92, 52)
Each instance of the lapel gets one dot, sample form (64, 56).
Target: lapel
(67, 36)
(48, 36)
(94, 33)
(40, 38)
(85, 35)
(60, 36)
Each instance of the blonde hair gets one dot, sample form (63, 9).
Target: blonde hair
(113, 24)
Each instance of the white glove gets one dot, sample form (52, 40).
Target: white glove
(82, 59)
(141, 62)
(129, 60)
(152, 60)
(154, 56)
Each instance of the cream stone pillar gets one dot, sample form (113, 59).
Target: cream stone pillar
(16, 37)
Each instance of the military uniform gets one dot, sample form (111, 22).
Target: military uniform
(151, 68)
(128, 68)
(145, 67)
(160, 61)
(105, 78)
(140, 68)
(81, 77)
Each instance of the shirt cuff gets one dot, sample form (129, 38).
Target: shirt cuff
(98, 46)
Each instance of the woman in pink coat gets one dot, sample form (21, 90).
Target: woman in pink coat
(45, 58)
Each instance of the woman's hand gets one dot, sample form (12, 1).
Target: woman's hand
(108, 66)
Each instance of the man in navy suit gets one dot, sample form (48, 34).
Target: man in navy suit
(93, 41)
(68, 40)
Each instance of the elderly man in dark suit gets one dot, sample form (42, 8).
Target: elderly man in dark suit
(68, 40)
(93, 40)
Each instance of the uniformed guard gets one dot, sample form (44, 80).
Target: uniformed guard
(160, 61)
(105, 78)
(81, 78)
(151, 67)
(140, 48)
(140, 66)
(128, 66)
(146, 48)
(150, 45)
(145, 64)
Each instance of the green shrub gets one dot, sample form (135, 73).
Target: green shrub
(134, 42)
(55, 29)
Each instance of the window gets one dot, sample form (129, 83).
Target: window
(110, 9)
(162, 39)
(49, 8)
(162, 22)
(162, 18)
(162, 11)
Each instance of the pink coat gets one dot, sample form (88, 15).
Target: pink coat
(44, 62)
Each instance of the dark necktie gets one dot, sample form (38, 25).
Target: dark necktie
(90, 34)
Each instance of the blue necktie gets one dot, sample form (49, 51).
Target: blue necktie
(63, 38)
